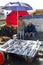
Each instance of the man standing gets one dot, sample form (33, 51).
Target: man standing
(20, 31)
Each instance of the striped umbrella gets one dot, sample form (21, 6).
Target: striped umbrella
(17, 6)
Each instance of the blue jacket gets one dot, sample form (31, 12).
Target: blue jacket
(30, 29)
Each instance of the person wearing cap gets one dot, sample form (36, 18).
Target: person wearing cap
(30, 31)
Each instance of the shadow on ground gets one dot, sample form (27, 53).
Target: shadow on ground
(17, 60)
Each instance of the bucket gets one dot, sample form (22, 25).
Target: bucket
(1, 58)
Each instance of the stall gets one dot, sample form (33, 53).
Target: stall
(25, 48)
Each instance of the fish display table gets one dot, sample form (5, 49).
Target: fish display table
(21, 47)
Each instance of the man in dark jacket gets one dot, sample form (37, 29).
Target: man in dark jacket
(7, 31)
(30, 31)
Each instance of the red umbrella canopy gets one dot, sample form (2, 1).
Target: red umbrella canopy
(11, 18)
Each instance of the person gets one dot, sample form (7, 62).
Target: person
(30, 31)
(20, 30)
(7, 32)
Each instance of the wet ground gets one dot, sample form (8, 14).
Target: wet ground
(18, 62)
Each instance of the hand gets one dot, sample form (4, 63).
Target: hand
(29, 34)
(5, 37)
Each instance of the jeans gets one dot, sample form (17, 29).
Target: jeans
(33, 37)
(20, 35)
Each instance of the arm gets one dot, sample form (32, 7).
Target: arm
(33, 29)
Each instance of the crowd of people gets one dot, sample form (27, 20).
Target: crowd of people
(23, 32)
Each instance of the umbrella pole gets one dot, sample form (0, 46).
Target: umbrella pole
(18, 24)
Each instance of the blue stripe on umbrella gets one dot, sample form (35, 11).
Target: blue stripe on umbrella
(17, 6)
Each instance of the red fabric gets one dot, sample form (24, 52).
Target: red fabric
(1, 58)
(11, 18)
